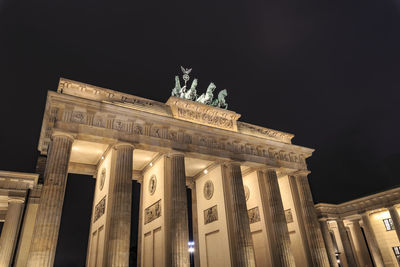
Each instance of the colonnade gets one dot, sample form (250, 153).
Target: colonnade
(358, 238)
(46, 228)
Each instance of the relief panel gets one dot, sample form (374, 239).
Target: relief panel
(210, 215)
(153, 212)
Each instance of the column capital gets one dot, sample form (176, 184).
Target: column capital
(390, 206)
(175, 153)
(122, 145)
(19, 200)
(231, 163)
(301, 173)
(363, 212)
(62, 134)
(266, 168)
(356, 220)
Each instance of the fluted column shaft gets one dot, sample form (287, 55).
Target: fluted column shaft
(328, 243)
(372, 243)
(361, 250)
(396, 220)
(140, 231)
(280, 243)
(195, 226)
(10, 231)
(178, 216)
(241, 241)
(47, 225)
(120, 210)
(348, 251)
(319, 256)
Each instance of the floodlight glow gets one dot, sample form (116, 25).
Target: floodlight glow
(191, 246)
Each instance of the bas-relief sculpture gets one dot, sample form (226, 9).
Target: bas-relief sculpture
(152, 184)
(206, 98)
(254, 215)
(102, 178)
(189, 110)
(210, 215)
(100, 209)
(289, 216)
(246, 192)
(208, 190)
(153, 212)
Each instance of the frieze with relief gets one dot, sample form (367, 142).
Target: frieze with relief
(167, 132)
(210, 215)
(289, 216)
(254, 215)
(137, 126)
(99, 209)
(153, 212)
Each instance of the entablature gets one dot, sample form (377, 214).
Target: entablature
(175, 107)
(98, 120)
(360, 205)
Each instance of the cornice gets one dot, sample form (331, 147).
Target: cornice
(103, 95)
(368, 203)
(17, 180)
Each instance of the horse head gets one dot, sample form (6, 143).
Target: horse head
(222, 94)
(211, 88)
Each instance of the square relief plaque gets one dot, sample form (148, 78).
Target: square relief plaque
(210, 215)
(289, 216)
(153, 212)
(254, 215)
(100, 209)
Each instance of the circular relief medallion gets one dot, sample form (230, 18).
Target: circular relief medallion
(208, 189)
(152, 184)
(102, 178)
(246, 192)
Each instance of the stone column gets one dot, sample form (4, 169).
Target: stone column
(10, 231)
(328, 242)
(348, 251)
(361, 250)
(319, 256)
(372, 243)
(195, 226)
(242, 251)
(177, 224)
(47, 225)
(140, 231)
(120, 206)
(279, 233)
(396, 220)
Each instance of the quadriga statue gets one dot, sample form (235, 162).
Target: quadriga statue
(220, 102)
(206, 98)
(177, 90)
(191, 94)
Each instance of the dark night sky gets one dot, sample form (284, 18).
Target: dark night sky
(327, 71)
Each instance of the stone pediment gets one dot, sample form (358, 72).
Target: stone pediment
(203, 114)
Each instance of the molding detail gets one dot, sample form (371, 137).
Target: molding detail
(250, 129)
(354, 207)
(203, 114)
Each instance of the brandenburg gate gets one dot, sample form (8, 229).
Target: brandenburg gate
(251, 201)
